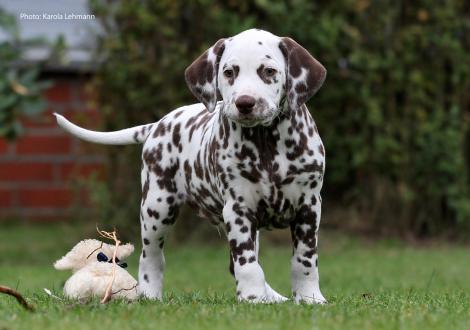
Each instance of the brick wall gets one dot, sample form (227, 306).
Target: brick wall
(38, 170)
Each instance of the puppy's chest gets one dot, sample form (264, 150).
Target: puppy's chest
(271, 164)
(270, 183)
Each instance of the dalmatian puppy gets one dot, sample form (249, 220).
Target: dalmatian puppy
(252, 160)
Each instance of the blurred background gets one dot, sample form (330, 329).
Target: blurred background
(394, 112)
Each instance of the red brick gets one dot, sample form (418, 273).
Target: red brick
(36, 214)
(59, 144)
(6, 198)
(86, 92)
(89, 149)
(3, 146)
(72, 171)
(59, 92)
(45, 197)
(57, 216)
(14, 172)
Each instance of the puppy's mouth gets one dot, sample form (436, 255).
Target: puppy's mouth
(262, 117)
(248, 121)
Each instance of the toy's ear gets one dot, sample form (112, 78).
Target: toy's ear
(124, 251)
(201, 75)
(64, 263)
(304, 74)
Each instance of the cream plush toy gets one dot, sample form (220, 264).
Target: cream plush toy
(91, 263)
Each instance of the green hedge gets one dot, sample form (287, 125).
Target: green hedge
(20, 87)
(393, 113)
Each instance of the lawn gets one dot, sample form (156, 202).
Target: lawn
(369, 285)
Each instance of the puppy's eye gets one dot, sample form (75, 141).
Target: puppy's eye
(228, 73)
(269, 72)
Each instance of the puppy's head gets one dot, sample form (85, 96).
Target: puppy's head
(257, 75)
(86, 251)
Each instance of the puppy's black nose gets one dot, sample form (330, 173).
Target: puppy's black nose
(245, 104)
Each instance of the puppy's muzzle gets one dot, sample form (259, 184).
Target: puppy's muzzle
(245, 104)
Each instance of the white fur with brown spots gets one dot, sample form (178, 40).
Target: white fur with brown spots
(252, 160)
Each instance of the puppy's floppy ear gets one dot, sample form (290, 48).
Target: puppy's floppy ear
(304, 74)
(201, 75)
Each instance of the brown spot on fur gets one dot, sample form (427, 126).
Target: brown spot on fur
(152, 213)
(235, 70)
(160, 131)
(145, 188)
(179, 113)
(176, 135)
(262, 74)
(306, 263)
(237, 250)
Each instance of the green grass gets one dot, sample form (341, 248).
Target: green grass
(370, 285)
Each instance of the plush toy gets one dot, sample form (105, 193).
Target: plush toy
(91, 263)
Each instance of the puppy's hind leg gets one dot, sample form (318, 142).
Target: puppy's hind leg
(158, 213)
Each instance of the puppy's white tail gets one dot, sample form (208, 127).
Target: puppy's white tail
(137, 134)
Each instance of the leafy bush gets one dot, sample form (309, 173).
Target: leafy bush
(20, 89)
(393, 113)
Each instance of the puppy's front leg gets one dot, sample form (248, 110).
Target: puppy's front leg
(304, 263)
(241, 234)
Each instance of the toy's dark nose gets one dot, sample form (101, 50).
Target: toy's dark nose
(245, 104)
(102, 257)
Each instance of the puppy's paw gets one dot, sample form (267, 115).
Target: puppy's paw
(273, 296)
(315, 298)
(268, 297)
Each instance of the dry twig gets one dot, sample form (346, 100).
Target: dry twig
(18, 296)
(99, 247)
(123, 289)
(112, 236)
